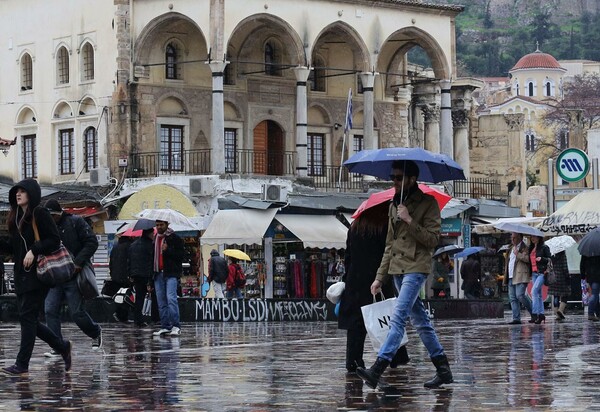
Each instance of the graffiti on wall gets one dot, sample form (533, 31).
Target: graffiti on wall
(261, 310)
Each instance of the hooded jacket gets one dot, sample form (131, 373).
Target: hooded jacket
(22, 239)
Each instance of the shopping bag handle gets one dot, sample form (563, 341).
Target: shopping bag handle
(375, 297)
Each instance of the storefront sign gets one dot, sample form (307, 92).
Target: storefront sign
(262, 310)
(451, 227)
(157, 197)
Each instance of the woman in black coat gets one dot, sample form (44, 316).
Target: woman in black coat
(561, 289)
(364, 249)
(24, 199)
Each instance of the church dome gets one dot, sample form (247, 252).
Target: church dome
(537, 60)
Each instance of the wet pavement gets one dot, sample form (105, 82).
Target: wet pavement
(299, 366)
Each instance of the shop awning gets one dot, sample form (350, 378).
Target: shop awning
(316, 230)
(238, 226)
(487, 223)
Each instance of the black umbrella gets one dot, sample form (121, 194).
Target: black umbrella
(144, 224)
(590, 244)
(449, 250)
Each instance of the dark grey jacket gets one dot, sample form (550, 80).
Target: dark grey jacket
(78, 238)
(140, 258)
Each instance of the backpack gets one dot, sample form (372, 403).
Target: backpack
(240, 277)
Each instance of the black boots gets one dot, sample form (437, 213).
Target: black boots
(443, 373)
(371, 376)
(400, 358)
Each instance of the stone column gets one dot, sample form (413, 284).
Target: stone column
(446, 136)
(460, 121)
(217, 127)
(301, 73)
(431, 113)
(368, 81)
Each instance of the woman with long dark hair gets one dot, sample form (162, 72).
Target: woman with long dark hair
(539, 256)
(24, 198)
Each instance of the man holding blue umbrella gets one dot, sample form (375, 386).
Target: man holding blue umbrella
(413, 233)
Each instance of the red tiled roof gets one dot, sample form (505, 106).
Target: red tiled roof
(537, 60)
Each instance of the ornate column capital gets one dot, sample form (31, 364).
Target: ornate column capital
(460, 118)
(515, 121)
(431, 112)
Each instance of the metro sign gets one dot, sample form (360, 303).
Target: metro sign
(572, 165)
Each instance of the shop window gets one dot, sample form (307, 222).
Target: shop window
(230, 150)
(171, 148)
(173, 66)
(91, 148)
(87, 62)
(28, 156)
(65, 144)
(62, 66)
(316, 154)
(26, 72)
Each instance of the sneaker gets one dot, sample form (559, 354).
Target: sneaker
(161, 332)
(175, 331)
(67, 356)
(97, 341)
(14, 370)
(51, 354)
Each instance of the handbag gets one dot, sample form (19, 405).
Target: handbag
(377, 317)
(125, 295)
(55, 268)
(334, 292)
(550, 275)
(147, 308)
(86, 282)
(109, 288)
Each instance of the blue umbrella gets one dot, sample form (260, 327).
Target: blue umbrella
(433, 167)
(469, 251)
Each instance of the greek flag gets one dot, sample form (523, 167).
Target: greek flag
(348, 124)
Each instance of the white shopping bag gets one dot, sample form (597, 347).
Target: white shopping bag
(377, 322)
(147, 308)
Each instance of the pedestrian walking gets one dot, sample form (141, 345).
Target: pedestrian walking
(470, 273)
(365, 244)
(81, 242)
(140, 267)
(218, 273)
(413, 232)
(561, 289)
(517, 275)
(24, 199)
(590, 272)
(234, 289)
(119, 275)
(539, 256)
(440, 270)
(168, 266)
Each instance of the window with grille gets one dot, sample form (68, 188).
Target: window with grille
(26, 72)
(66, 160)
(357, 143)
(91, 148)
(88, 62)
(317, 77)
(28, 156)
(530, 142)
(271, 59)
(229, 74)
(230, 150)
(316, 154)
(173, 68)
(62, 68)
(171, 148)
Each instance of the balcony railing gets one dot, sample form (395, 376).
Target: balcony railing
(261, 162)
(153, 164)
(478, 188)
(327, 177)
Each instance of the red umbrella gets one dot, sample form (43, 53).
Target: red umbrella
(387, 195)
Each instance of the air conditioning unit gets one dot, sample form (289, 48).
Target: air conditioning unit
(274, 193)
(202, 186)
(99, 176)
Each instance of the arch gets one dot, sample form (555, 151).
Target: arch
(26, 115)
(87, 106)
(170, 105)
(87, 53)
(63, 62)
(318, 115)
(265, 26)
(26, 71)
(90, 147)
(401, 41)
(60, 45)
(174, 49)
(231, 110)
(344, 32)
(62, 109)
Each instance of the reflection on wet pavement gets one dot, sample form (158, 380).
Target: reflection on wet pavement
(292, 366)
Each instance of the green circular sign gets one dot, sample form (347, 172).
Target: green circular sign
(572, 165)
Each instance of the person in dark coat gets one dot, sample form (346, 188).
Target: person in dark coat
(561, 289)
(365, 244)
(539, 256)
(24, 199)
(81, 242)
(440, 272)
(218, 272)
(141, 253)
(119, 274)
(590, 272)
(470, 272)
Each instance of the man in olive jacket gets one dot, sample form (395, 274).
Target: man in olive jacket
(413, 233)
(517, 275)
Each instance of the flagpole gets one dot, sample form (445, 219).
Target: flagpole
(347, 126)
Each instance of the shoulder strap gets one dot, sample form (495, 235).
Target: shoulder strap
(36, 233)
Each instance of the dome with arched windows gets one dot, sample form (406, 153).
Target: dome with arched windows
(537, 60)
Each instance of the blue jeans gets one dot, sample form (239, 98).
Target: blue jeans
(516, 296)
(166, 296)
(70, 292)
(593, 303)
(537, 305)
(235, 291)
(408, 304)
